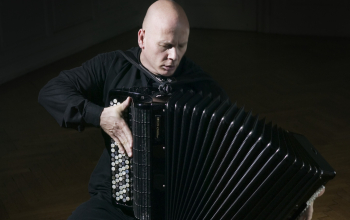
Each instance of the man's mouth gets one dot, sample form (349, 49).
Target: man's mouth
(168, 67)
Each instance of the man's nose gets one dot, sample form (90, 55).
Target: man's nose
(172, 54)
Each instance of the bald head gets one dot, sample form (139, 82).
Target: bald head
(163, 37)
(165, 12)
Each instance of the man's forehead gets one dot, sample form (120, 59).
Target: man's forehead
(171, 34)
(184, 41)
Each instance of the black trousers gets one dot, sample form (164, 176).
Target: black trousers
(97, 209)
(100, 206)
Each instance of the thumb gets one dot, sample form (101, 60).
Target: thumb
(126, 103)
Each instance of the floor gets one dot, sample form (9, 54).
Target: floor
(300, 83)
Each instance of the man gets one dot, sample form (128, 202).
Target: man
(75, 98)
(163, 46)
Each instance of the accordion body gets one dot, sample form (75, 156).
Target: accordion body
(197, 156)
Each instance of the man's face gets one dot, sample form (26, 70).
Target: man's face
(163, 48)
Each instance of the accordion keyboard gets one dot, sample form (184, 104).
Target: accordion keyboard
(121, 167)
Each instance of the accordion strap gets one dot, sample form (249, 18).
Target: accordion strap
(166, 84)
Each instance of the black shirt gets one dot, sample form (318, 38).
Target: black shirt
(76, 98)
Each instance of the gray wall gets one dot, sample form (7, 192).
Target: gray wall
(297, 17)
(34, 33)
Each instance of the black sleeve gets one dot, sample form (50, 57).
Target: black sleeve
(75, 97)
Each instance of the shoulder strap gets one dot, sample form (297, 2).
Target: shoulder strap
(166, 84)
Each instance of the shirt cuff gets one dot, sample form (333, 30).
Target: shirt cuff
(92, 114)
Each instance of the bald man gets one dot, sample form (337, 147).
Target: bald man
(163, 42)
(76, 97)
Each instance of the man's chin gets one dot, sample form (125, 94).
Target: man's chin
(167, 72)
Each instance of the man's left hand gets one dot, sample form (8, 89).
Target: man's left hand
(307, 215)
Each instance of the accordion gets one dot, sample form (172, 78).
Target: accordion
(197, 156)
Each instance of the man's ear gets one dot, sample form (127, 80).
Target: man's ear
(141, 38)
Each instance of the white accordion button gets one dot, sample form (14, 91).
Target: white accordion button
(113, 168)
(127, 198)
(115, 100)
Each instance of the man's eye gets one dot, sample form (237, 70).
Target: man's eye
(181, 46)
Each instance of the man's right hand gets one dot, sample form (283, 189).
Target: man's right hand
(113, 123)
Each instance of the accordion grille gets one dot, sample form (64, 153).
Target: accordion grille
(141, 163)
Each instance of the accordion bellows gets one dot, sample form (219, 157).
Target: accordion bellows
(197, 156)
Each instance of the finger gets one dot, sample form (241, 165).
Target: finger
(119, 133)
(127, 138)
(121, 148)
(310, 211)
(114, 146)
(322, 192)
(118, 144)
(124, 142)
(127, 141)
(128, 135)
(126, 103)
(122, 131)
